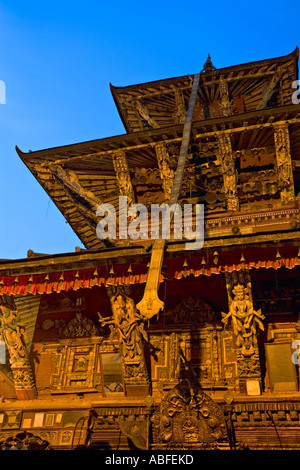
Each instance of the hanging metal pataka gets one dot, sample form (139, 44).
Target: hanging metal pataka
(150, 304)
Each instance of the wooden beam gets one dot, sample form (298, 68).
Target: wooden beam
(149, 134)
(68, 179)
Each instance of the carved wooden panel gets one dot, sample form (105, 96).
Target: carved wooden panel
(75, 366)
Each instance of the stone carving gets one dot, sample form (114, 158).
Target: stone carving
(244, 318)
(188, 418)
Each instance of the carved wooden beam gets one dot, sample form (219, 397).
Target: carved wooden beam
(166, 173)
(180, 111)
(199, 135)
(245, 325)
(284, 163)
(84, 200)
(229, 171)
(13, 333)
(226, 105)
(268, 92)
(150, 304)
(123, 176)
(82, 197)
(144, 112)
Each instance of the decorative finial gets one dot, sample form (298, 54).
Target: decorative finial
(208, 66)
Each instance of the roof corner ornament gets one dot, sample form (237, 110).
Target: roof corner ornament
(208, 66)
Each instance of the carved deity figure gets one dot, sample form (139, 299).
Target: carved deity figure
(126, 321)
(166, 173)
(244, 319)
(284, 167)
(123, 176)
(13, 333)
(225, 103)
(188, 416)
(229, 172)
(168, 176)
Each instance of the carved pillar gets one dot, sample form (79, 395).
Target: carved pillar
(166, 174)
(180, 111)
(226, 105)
(284, 163)
(123, 176)
(188, 419)
(87, 202)
(229, 172)
(245, 323)
(13, 333)
(126, 322)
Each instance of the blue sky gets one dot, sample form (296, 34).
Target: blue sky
(58, 58)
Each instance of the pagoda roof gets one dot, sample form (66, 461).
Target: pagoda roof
(90, 164)
(159, 101)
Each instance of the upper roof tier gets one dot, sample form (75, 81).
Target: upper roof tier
(222, 92)
(246, 102)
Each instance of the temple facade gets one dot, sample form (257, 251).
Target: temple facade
(148, 343)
